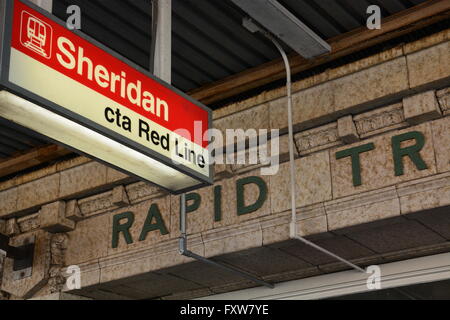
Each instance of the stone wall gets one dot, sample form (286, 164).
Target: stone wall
(70, 207)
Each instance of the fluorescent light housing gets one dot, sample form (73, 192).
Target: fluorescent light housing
(276, 19)
(85, 110)
(69, 133)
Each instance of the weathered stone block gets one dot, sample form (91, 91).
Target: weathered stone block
(309, 105)
(226, 205)
(313, 182)
(444, 100)
(222, 171)
(363, 208)
(365, 63)
(428, 193)
(426, 42)
(226, 210)
(312, 226)
(84, 178)
(34, 175)
(150, 258)
(96, 204)
(202, 216)
(73, 211)
(254, 118)
(219, 242)
(265, 156)
(277, 229)
(284, 148)
(52, 218)
(317, 139)
(380, 120)
(38, 192)
(377, 166)
(8, 201)
(120, 197)
(141, 191)
(89, 241)
(150, 223)
(382, 81)
(12, 227)
(29, 222)
(347, 130)
(115, 176)
(441, 139)
(429, 66)
(421, 107)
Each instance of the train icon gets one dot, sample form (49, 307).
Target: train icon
(36, 35)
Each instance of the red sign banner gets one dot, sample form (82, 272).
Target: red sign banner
(62, 50)
(76, 77)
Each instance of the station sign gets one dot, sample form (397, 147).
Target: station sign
(78, 93)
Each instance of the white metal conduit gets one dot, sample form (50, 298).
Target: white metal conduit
(293, 227)
(161, 65)
(185, 252)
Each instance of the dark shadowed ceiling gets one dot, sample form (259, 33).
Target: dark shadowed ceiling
(209, 42)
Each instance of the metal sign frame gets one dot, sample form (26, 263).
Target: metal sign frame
(6, 25)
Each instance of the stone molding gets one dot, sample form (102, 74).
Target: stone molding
(165, 255)
(331, 74)
(444, 100)
(58, 248)
(313, 140)
(380, 120)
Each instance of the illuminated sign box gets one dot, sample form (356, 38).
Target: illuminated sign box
(78, 93)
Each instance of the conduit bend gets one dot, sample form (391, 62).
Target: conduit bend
(185, 252)
(293, 225)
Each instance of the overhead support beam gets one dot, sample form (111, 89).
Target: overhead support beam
(44, 4)
(393, 26)
(162, 42)
(32, 158)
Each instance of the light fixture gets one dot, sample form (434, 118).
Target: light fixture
(276, 19)
(67, 132)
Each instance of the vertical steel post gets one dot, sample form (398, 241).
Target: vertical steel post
(162, 59)
(44, 4)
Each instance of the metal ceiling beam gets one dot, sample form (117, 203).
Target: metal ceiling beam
(394, 26)
(44, 4)
(162, 48)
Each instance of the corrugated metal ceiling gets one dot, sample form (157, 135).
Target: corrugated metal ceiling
(209, 42)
